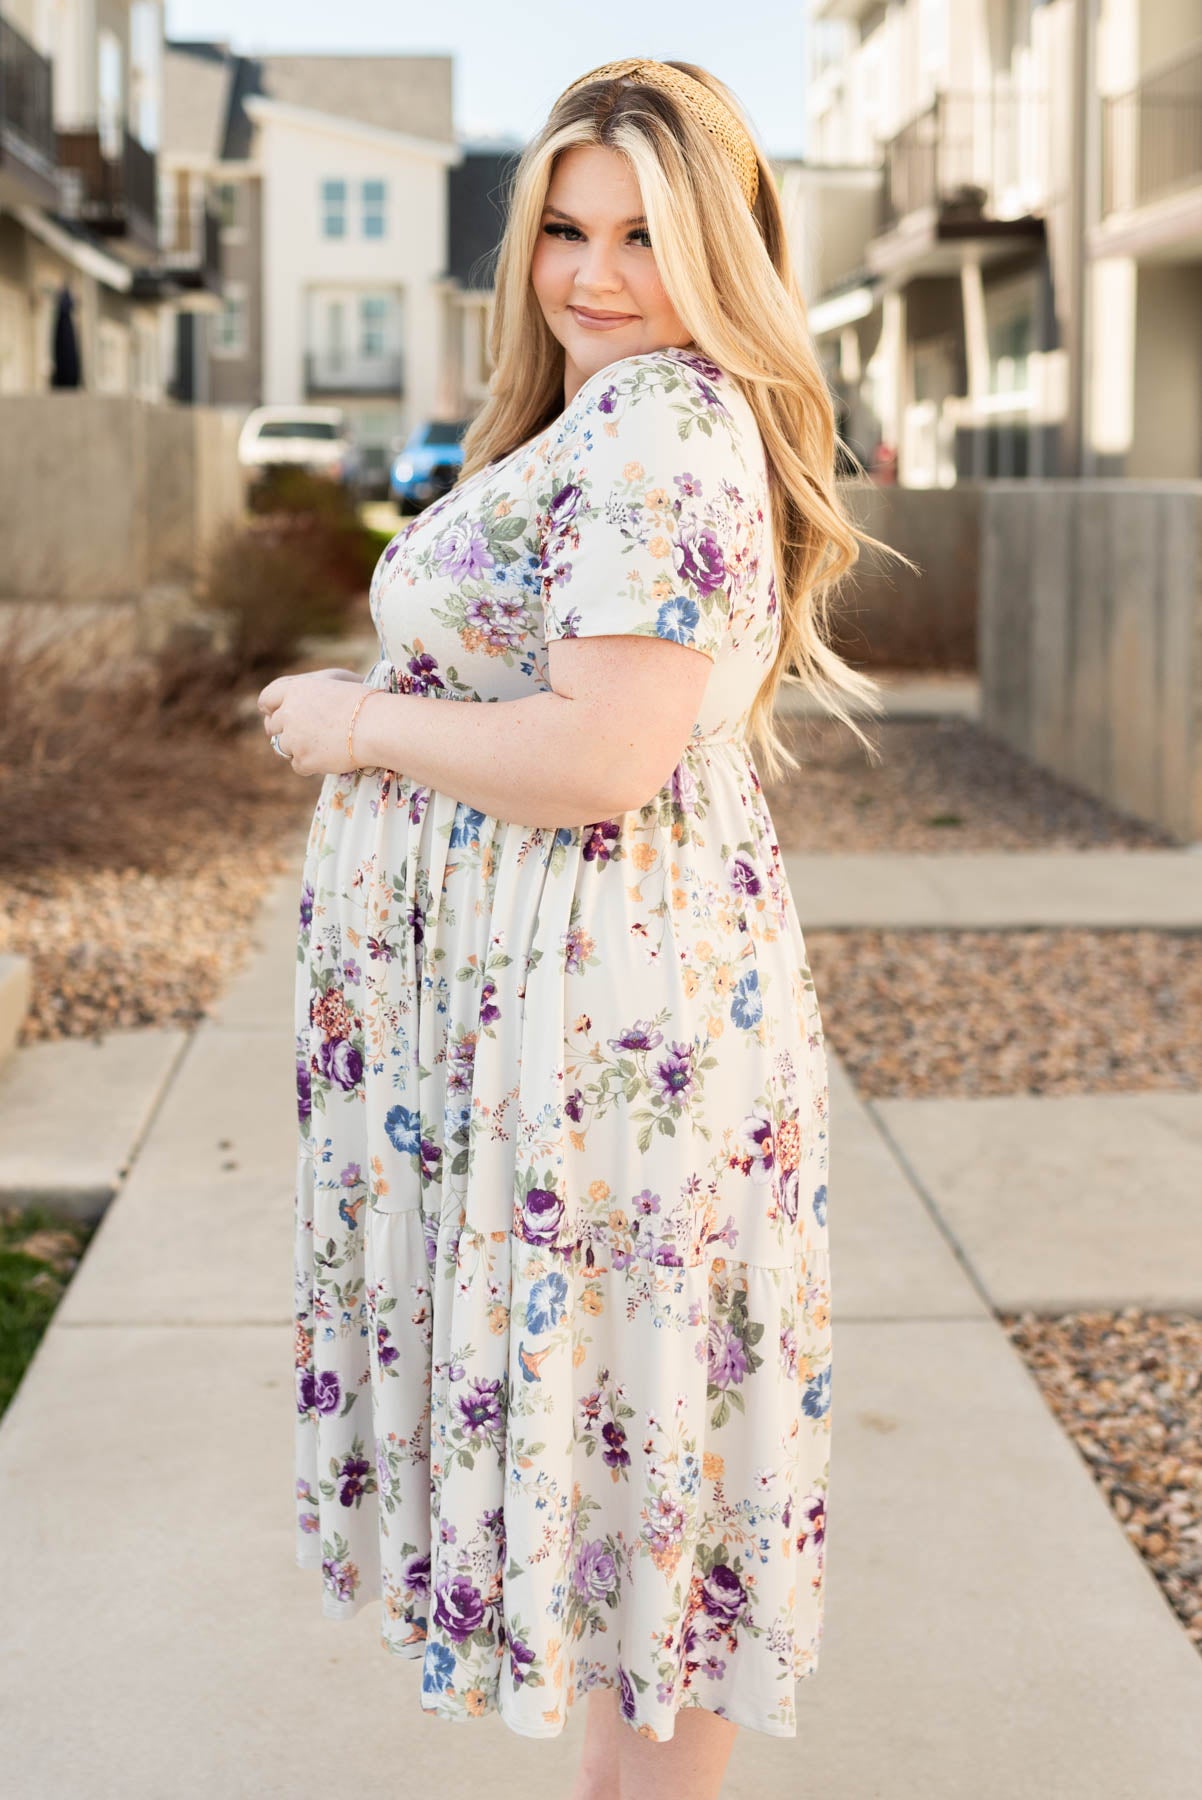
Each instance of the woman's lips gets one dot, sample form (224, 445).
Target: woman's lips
(593, 323)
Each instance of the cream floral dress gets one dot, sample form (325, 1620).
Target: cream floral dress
(563, 1344)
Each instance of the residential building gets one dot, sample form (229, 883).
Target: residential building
(83, 287)
(1000, 219)
(333, 178)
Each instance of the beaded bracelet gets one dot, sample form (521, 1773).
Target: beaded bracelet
(350, 730)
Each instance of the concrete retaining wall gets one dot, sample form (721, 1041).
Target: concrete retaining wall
(887, 617)
(110, 500)
(1091, 637)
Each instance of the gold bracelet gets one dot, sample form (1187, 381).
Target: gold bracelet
(350, 730)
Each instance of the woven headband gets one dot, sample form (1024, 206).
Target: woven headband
(703, 104)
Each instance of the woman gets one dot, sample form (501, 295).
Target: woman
(562, 1276)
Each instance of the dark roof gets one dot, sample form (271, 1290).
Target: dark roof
(476, 213)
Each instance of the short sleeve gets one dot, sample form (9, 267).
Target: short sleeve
(646, 506)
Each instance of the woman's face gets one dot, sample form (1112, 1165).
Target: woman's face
(591, 256)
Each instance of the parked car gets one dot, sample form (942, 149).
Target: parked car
(317, 439)
(428, 464)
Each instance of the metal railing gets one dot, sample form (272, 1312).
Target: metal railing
(26, 101)
(190, 236)
(982, 151)
(1152, 135)
(112, 194)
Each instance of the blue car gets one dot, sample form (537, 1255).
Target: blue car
(429, 464)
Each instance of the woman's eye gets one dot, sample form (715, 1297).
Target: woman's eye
(562, 230)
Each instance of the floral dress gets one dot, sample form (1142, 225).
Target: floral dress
(563, 1348)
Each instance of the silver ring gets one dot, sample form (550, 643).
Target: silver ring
(275, 744)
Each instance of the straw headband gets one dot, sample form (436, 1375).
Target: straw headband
(703, 104)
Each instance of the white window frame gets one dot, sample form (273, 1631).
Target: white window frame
(374, 211)
(222, 342)
(333, 204)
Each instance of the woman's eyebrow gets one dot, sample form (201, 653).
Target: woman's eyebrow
(639, 218)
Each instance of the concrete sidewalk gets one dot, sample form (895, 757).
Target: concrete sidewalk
(999, 890)
(990, 1630)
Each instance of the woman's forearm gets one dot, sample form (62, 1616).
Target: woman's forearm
(534, 761)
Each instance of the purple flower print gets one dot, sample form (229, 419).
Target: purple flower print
(675, 1074)
(350, 1477)
(462, 551)
(479, 1407)
(520, 1655)
(616, 1455)
(646, 1203)
(626, 1693)
(683, 787)
(416, 1573)
(539, 1216)
(564, 509)
(811, 1534)
(322, 1391)
(458, 1608)
(420, 675)
(759, 1145)
(740, 872)
(607, 400)
(306, 905)
(500, 624)
(600, 836)
(304, 1090)
(489, 1013)
(385, 1349)
(341, 1062)
(595, 1574)
(725, 1354)
(574, 1104)
(639, 1036)
(699, 559)
(703, 365)
(340, 1578)
(723, 1595)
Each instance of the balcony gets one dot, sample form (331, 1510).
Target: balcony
(1152, 136)
(190, 245)
(28, 151)
(331, 372)
(974, 159)
(113, 195)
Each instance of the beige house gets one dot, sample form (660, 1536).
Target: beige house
(81, 112)
(999, 233)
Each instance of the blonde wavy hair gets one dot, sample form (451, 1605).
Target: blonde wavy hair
(727, 271)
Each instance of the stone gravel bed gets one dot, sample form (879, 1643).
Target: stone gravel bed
(1127, 1388)
(942, 785)
(138, 914)
(1050, 1011)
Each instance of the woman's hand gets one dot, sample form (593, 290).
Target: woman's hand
(309, 714)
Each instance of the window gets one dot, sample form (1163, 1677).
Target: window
(333, 209)
(225, 195)
(373, 321)
(110, 99)
(933, 31)
(373, 209)
(228, 327)
(1009, 354)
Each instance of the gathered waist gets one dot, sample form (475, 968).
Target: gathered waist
(384, 674)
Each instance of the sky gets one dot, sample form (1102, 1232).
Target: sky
(512, 62)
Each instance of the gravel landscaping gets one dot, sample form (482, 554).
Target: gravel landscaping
(1055, 1011)
(138, 914)
(942, 785)
(1127, 1388)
